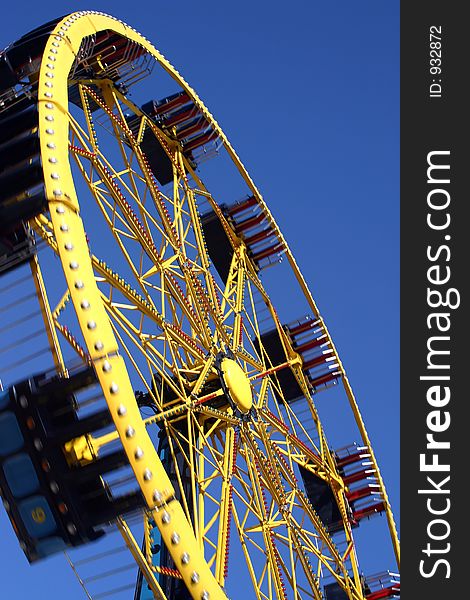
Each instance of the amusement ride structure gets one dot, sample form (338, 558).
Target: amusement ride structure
(158, 413)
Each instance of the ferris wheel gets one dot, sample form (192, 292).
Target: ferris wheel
(158, 413)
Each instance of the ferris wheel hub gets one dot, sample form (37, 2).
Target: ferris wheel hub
(238, 384)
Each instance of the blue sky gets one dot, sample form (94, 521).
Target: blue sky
(308, 94)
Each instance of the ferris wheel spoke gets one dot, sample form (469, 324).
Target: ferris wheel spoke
(274, 471)
(193, 310)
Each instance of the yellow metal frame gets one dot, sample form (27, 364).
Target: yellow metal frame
(93, 311)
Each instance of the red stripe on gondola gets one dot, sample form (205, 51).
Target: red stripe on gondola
(200, 141)
(389, 592)
(352, 458)
(314, 362)
(311, 344)
(360, 493)
(268, 252)
(258, 237)
(171, 104)
(325, 378)
(180, 117)
(251, 201)
(298, 329)
(251, 222)
(193, 129)
(358, 475)
(369, 510)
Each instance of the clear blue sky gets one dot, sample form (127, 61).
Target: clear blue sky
(308, 94)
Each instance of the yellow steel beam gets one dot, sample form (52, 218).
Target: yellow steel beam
(140, 560)
(223, 538)
(266, 529)
(47, 316)
(266, 469)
